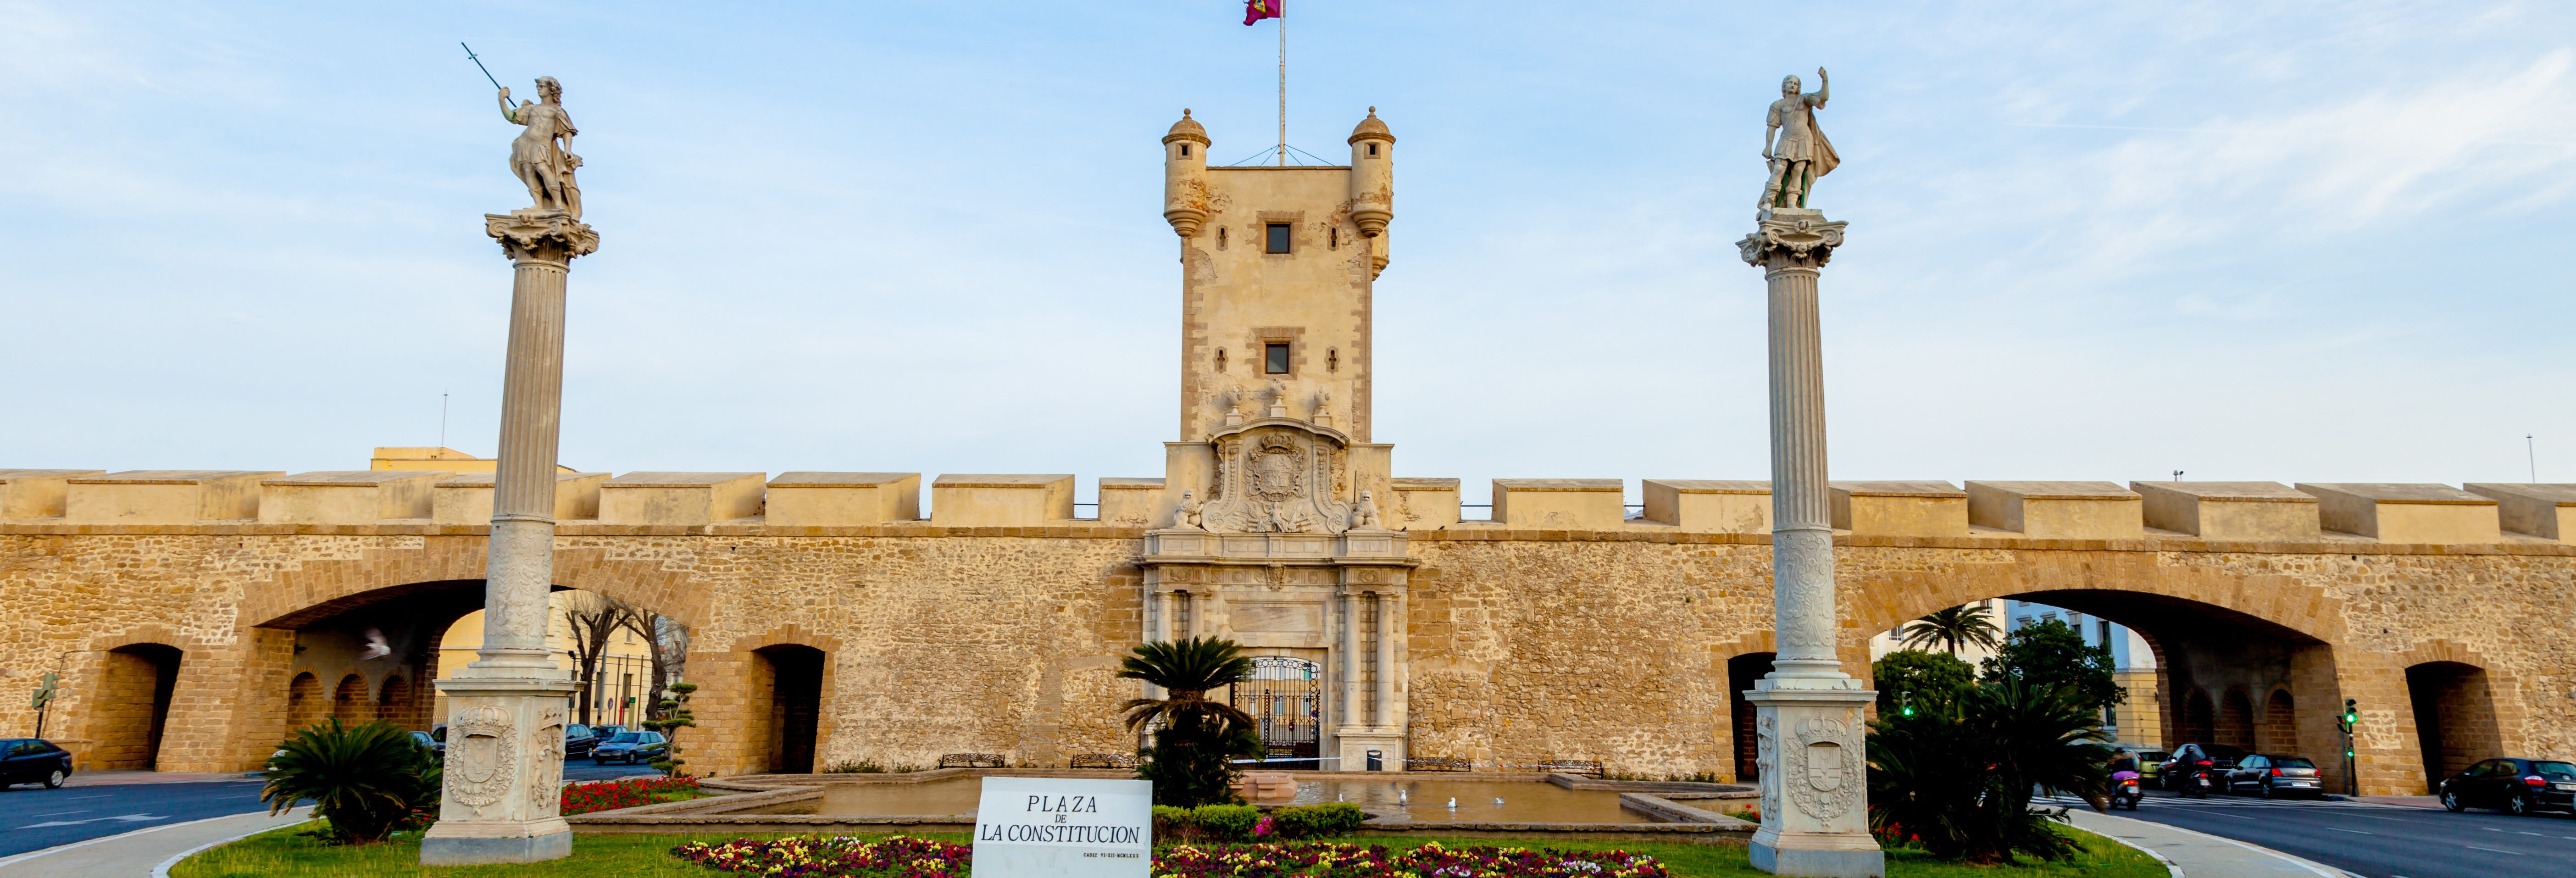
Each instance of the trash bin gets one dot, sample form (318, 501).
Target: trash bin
(1377, 760)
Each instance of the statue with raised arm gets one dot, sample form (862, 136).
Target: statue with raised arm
(542, 155)
(1795, 147)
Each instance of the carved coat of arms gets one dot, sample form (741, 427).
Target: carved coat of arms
(1822, 769)
(1277, 479)
(482, 755)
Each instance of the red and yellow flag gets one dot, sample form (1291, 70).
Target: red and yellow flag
(1256, 10)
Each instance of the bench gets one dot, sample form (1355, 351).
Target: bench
(1437, 763)
(1585, 767)
(972, 760)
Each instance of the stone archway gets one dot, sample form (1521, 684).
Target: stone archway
(2235, 720)
(2278, 731)
(349, 702)
(794, 696)
(2199, 720)
(131, 710)
(305, 705)
(2455, 717)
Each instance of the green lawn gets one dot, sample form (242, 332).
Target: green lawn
(285, 854)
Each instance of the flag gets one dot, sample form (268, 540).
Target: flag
(1256, 10)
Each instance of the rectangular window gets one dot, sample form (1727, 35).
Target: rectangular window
(1274, 359)
(1278, 237)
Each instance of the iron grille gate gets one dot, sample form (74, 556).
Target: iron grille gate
(1286, 697)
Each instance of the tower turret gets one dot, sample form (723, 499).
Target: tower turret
(1185, 198)
(1372, 176)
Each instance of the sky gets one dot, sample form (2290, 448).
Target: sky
(2308, 241)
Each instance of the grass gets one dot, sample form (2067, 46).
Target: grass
(285, 854)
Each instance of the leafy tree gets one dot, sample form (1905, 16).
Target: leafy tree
(1957, 776)
(2053, 653)
(367, 781)
(1191, 762)
(1952, 629)
(675, 715)
(1918, 678)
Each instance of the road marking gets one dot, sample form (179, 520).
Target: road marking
(59, 813)
(2353, 831)
(121, 818)
(2497, 850)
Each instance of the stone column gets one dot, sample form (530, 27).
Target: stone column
(507, 710)
(1388, 607)
(1815, 811)
(1350, 660)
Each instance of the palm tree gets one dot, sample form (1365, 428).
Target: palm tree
(1951, 629)
(367, 780)
(1191, 762)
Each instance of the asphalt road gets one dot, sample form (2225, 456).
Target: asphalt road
(2381, 841)
(35, 818)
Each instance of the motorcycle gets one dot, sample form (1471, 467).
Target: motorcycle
(2125, 791)
(2198, 785)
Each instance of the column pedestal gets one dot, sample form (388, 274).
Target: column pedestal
(504, 774)
(1815, 778)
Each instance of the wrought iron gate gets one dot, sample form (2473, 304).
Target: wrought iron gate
(1286, 697)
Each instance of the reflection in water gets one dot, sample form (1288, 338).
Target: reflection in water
(1425, 800)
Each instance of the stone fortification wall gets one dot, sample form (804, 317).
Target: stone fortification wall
(1524, 644)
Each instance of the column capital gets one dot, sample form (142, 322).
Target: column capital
(541, 235)
(1791, 237)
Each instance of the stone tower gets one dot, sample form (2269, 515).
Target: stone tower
(1277, 265)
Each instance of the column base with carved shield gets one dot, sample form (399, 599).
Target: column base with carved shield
(1815, 811)
(504, 774)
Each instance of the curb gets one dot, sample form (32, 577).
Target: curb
(11, 861)
(2321, 869)
(163, 870)
(2170, 866)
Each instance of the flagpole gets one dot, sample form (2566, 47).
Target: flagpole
(1283, 91)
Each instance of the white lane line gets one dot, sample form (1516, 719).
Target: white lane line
(2353, 831)
(2497, 850)
(60, 813)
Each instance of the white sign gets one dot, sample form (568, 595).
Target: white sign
(1027, 827)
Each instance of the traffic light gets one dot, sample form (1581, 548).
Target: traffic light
(2351, 713)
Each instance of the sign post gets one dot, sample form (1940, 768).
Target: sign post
(1026, 827)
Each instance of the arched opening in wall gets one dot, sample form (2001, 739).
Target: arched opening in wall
(1741, 672)
(2278, 732)
(395, 704)
(1286, 699)
(2206, 672)
(134, 705)
(2236, 720)
(2199, 721)
(2455, 717)
(792, 689)
(305, 706)
(349, 702)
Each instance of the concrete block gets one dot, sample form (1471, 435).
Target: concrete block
(1560, 504)
(1900, 509)
(1420, 504)
(689, 499)
(2407, 513)
(2538, 510)
(2057, 510)
(2266, 511)
(164, 496)
(346, 496)
(1710, 507)
(467, 498)
(1130, 502)
(36, 493)
(817, 499)
(986, 500)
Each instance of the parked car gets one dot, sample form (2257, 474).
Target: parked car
(606, 732)
(2519, 786)
(579, 740)
(2275, 775)
(2189, 758)
(435, 746)
(33, 760)
(631, 748)
(2148, 763)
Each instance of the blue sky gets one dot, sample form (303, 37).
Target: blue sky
(2279, 241)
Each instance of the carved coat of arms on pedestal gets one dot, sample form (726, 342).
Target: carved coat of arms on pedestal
(1278, 477)
(482, 755)
(1824, 772)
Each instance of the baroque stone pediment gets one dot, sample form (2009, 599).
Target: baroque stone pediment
(1278, 475)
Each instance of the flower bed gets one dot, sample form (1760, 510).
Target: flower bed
(584, 798)
(900, 857)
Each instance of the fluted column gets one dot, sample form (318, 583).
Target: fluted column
(1350, 658)
(1387, 622)
(508, 709)
(1815, 812)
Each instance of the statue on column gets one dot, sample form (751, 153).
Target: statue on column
(542, 155)
(1795, 147)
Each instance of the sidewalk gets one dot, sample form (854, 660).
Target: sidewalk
(141, 853)
(2195, 854)
(2401, 801)
(120, 778)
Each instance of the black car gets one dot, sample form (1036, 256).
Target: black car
(2217, 759)
(2275, 775)
(33, 760)
(579, 740)
(2520, 786)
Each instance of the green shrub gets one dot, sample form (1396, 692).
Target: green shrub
(1917, 678)
(1957, 776)
(367, 781)
(1318, 821)
(1225, 822)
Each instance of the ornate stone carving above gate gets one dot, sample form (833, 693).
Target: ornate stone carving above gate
(1278, 475)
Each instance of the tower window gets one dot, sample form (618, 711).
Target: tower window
(1372, 150)
(1185, 150)
(1220, 359)
(1220, 237)
(1278, 237)
(1332, 359)
(1333, 237)
(1274, 356)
